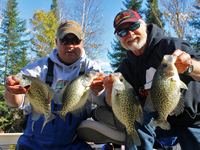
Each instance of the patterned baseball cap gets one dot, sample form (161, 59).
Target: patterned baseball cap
(125, 16)
(69, 26)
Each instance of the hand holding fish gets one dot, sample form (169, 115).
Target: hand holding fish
(13, 92)
(108, 84)
(13, 87)
(183, 60)
(97, 84)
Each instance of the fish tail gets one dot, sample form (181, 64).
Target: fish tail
(47, 119)
(162, 124)
(33, 125)
(132, 139)
(62, 115)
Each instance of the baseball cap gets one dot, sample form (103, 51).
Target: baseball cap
(69, 26)
(125, 16)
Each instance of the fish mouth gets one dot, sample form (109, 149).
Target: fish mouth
(171, 59)
(118, 88)
(27, 87)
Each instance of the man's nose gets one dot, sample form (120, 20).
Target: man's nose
(130, 32)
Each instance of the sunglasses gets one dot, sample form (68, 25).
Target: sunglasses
(132, 27)
(66, 41)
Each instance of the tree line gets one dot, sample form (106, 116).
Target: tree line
(176, 17)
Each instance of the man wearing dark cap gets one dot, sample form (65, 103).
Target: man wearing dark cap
(65, 63)
(146, 46)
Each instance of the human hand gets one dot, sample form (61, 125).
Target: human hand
(108, 84)
(183, 60)
(13, 87)
(97, 84)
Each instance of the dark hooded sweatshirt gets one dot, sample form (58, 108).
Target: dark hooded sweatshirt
(139, 71)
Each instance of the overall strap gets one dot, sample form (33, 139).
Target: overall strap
(49, 76)
(49, 79)
(82, 70)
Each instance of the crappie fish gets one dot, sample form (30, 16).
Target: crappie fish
(126, 108)
(39, 95)
(165, 96)
(73, 97)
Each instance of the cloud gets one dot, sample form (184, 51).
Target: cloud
(105, 66)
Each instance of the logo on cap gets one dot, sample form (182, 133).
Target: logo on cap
(121, 17)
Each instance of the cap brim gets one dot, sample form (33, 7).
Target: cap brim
(70, 30)
(125, 21)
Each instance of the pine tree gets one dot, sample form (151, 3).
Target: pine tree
(13, 45)
(118, 55)
(134, 5)
(153, 14)
(54, 9)
(195, 38)
(119, 52)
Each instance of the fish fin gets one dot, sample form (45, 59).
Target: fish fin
(78, 112)
(47, 119)
(37, 76)
(148, 106)
(35, 116)
(183, 85)
(90, 98)
(58, 96)
(32, 127)
(140, 117)
(49, 98)
(62, 115)
(52, 91)
(162, 124)
(26, 101)
(179, 108)
(132, 139)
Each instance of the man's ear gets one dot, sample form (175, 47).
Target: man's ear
(82, 42)
(56, 40)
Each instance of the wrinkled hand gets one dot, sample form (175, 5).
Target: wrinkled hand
(13, 87)
(108, 84)
(183, 60)
(97, 84)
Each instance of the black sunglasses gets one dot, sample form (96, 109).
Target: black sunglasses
(73, 41)
(132, 27)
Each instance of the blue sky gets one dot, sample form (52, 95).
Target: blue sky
(111, 8)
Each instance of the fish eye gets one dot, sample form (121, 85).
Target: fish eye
(87, 75)
(121, 79)
(164, 65)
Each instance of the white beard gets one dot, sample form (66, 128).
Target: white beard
(136, 46)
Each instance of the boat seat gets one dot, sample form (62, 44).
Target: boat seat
(102, 129)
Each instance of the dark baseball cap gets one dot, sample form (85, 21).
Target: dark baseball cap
(69, 26)
(125, 16)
